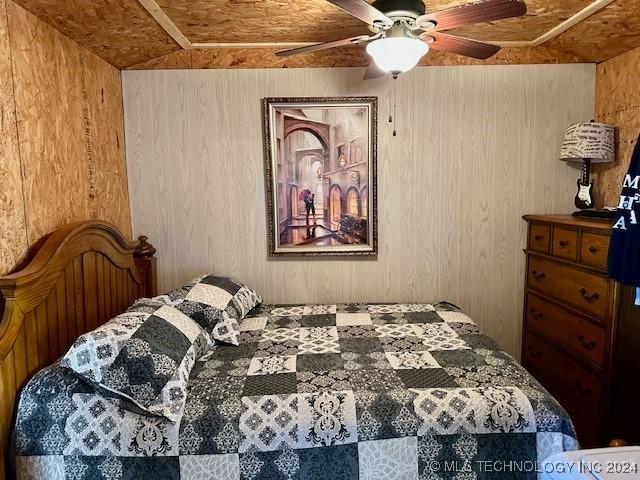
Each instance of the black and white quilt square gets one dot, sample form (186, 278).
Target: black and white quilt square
(288, 311)
(393, 458)
(277, 322)
(281, 335)
(429, 316)
(465, 328)
(339, 462)
(357, 331)
(360, 361)
(225, 465)
(387, 414)
(269, 422)
(269, 348)
(272, 365)
(417, 307)
(215, 367)
(439, 336)
(223, 283)
(328, 380)
(250, 336)
(410, 343)
(251, 324)
(318, 362)
(385, 308)
(473, 410)
(396, 318)
(454, 317)
(318, 320)
(452, 358)
(319, 310)
(375, 380)
(426, 378)
(352, 308)
(353, 319)
(395, 331)
(215, 429)
(235, 352)
(361, 345)
(490, 375)
(103, 467)
(213, 389)
(318, 340)
(282, 383)
(411, 360)
(327, 418)
(210, 295)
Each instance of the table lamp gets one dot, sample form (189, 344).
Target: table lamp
(588, 143)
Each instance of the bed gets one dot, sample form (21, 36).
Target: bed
(358, 391)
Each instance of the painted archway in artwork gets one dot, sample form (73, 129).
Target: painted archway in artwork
(352, 202)
(293, 202)
(335, 199)
(364, 202)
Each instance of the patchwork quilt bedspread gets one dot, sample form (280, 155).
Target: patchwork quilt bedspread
(312, 392)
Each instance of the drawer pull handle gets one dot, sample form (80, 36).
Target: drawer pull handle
(589, 298)
(563, 243)
(534, 353)
(538, 275)
(584, 392)
(593, 249)
(587, 345)
(536, 314)
(538, 237)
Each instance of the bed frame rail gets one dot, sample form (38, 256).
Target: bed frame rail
(81, 276)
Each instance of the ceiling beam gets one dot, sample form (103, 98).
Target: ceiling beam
(166, 23)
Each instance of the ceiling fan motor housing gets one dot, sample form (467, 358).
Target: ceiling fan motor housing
(400, 8)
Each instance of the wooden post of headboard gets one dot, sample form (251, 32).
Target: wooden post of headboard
(83, 275)
(146, 263)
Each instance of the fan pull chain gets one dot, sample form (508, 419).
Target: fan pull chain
(393, 109)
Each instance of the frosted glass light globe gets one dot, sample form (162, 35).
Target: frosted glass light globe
(397, 54)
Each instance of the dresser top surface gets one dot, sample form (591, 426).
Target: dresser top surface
(597, 224)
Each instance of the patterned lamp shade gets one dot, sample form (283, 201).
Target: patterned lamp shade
(588, 141)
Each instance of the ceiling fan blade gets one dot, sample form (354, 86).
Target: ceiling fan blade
(373, 71)
(322, 46)
(478, 12)
(461, 46)
(363, 10)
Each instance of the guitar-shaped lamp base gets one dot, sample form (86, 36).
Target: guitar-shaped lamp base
(584, 196)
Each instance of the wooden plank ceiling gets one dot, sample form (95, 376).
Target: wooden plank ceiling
(127, 36)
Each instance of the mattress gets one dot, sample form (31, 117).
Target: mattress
(358, 391)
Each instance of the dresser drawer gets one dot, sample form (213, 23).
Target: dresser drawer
(587, 291)
(566, 328)
(555, 368)
(565, 243)
(586, 424)
(539, 237)
(594, 249)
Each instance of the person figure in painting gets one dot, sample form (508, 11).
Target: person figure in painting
(309, 199)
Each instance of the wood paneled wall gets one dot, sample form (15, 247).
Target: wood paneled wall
(476, 148)
(618, 103)
(63, 155)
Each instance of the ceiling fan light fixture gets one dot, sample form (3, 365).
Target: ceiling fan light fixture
(397, 54)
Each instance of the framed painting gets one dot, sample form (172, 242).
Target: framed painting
(320, 169)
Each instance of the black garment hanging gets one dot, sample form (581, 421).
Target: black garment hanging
(624, 249)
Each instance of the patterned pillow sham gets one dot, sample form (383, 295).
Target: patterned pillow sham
(142, 357)
(217, 304)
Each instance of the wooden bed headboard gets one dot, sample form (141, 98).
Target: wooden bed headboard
(80, 277)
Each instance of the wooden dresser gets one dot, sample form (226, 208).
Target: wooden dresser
(574, 317)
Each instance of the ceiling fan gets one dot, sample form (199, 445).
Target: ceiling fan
(403, 32)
